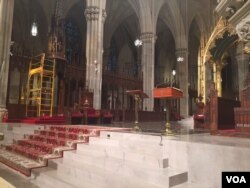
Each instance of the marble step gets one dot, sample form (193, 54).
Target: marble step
(135, 137)
(29, 127)
(51, 179)
(139, 139)
(140, 148)
(152, 161)
(122, 176)
(130, 146)
(154, 175)
(23, 130)
(97, 140)
(192, 185)
(18, 162)
(19, 132)
(172, 148)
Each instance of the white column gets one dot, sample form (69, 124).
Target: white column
(148, 67)
(182, 76)
(6, 19)
(243, 63)
(95, 16)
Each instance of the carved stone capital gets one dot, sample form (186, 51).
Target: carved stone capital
(104, 15)
(181, 52)
(147, 37)
(243, 29)
(92, 13)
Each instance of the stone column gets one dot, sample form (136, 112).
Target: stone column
(148, 52)
(243, 63)
(243, 30)
(95, 15)
(6, 19)
(182, 76)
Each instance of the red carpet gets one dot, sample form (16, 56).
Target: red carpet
(55, 120)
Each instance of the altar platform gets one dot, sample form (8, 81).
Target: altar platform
(139, 159)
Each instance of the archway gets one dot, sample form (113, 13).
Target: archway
(121, 58)
(229, 75)
(217, 44)
(75, 34)
(193, 46)
(26, 12)
(165, 58)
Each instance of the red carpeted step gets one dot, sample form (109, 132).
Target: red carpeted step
(76, 130)
(37, 145)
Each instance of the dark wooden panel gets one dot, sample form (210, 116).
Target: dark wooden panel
(16, 111)
(226, 113)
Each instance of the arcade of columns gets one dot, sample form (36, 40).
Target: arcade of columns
(95, 15)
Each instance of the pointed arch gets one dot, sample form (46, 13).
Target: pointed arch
(199, 21)
(172, 17)
(119, 12)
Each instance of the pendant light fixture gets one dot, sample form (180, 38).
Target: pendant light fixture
(34, 29)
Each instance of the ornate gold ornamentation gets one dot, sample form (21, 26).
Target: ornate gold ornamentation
(220, 28)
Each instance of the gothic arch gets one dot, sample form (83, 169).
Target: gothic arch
(75, 29)
(164, 53)
(72, 3)
(121, 26)
(194, 36)
(32, 11)
(135, 4)
(219, 30)
(146, 17)
(166, 17)
(172, 17)
(197, 18)
(207, 57)
(117, 14)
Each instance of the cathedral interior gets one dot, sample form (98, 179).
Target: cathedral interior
(199, 45)
(103, 61)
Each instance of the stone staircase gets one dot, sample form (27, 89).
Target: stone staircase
(39, 145)
(125, 159)
(116, 160)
